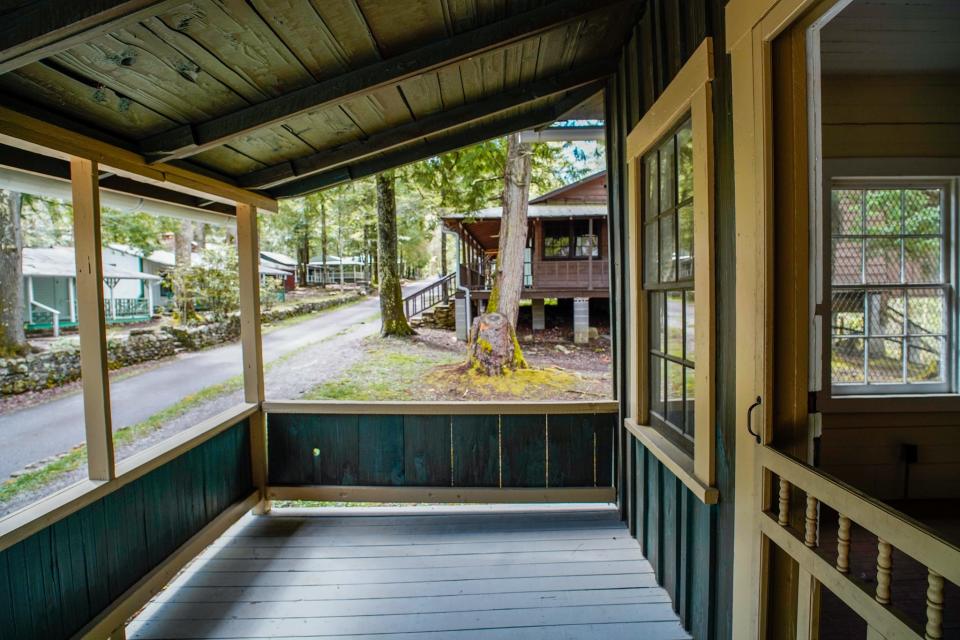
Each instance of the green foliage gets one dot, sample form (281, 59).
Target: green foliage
(271, 292)
(212, 285)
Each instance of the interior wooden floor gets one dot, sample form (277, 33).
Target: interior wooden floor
(494, 572)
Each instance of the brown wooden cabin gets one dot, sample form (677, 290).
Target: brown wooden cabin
(781, 458)
(567, 254)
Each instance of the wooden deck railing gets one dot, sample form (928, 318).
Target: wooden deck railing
(830, 568)
(435, 293)
(441, 451)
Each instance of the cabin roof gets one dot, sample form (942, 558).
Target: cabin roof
(286, 98)
(60, 262)
(591, 189)
(537, 211)
(279, 258)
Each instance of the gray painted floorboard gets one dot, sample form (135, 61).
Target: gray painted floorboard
(437, 573)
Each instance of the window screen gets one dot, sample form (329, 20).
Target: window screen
(668, 278)
(556, 239)
(889, 289)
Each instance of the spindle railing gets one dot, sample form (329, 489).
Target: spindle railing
(831, 570)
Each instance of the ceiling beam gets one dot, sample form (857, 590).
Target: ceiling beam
(400, 157)
(186, 140)
(427, 126)
(44, 28)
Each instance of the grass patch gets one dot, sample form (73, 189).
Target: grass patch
(384, 374)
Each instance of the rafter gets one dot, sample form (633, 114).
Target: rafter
(541, 116)
(43, 28)
(427, 126)
(187, 140)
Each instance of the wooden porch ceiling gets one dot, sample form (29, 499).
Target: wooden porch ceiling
(290, 97)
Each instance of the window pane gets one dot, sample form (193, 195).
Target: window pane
(884, 360)
(657, 326)
(651, 185)
(847, 261)
(922, 212)
(674, 394)
(847, 361)
(925, 357)
(883, 211)
(656, 385)
(926, 313)
(690, 328)
(847, 311)
(675, 323)
(651, 253)
(556, 239)
(668, 250)
(685, 163)
(886, 309)
(882, 261)
(922, 260)
(667, 183)
(690, 419)
(847, 215)
(685, 241)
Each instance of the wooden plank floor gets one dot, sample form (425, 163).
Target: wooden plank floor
(503, 572)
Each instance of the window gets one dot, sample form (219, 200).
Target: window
(889, 288)
(580, 236)
(668, 279)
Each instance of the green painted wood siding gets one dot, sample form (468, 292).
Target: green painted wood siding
(60, 578)
(689, 543)
(441, 451)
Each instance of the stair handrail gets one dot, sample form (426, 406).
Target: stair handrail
(54, 312)
(437, 292)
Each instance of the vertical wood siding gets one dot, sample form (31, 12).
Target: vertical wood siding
(493, 450)
(77, 566)
(689, 544)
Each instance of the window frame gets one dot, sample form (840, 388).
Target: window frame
(571, 240)
(897, 173)
(689, 96)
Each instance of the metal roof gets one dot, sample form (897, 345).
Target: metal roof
(285, 98)
(60, 262)
(537, 211)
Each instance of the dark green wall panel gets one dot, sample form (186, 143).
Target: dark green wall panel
(426, 448)
(58, 579)
(524, 450)
(475, 451)
(380, 444)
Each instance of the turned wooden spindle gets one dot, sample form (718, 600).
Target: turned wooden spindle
(843, 544)
(934, 629)
(884, 564)
(810, 522)
(783, 513)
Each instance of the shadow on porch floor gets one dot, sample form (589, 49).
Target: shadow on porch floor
(517, 572)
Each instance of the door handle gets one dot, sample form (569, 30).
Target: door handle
(749, 415)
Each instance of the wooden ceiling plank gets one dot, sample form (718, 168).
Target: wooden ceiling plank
(336, 90)
(417, 152)
(42, 29)
(451, 87)
(429, 126)
(23, 131)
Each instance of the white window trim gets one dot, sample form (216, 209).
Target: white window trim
(940, 171)
(689, 95)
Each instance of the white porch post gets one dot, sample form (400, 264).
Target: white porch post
(72, 297)
(249, 265)
(149, 288)
(30, 299)
(93, 332)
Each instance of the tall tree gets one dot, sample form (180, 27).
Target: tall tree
(323, 242)
(13, 340)
(393, 319)
(494, 348)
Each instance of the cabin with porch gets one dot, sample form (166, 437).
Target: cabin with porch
(566, 256)
(781, 458)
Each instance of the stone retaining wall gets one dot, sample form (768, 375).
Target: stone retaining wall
(36, 372)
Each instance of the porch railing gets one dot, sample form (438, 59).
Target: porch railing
(45, 312)
(830, 568)
(433, 294)
(126, 308)
(441, 452)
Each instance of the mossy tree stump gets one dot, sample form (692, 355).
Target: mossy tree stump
(494, 349)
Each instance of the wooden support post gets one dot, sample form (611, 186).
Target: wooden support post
(248, 247)
(934, 628)
(92, 325)
(808, 606)
(843, 544)
(884, 565)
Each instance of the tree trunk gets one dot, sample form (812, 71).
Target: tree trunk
(13, 340)
(508, 280)
(393, 319)
(200, 235)
(494, 349)
(443, 251)
(303, 258)
(375, 272)
(323, 242)
(182, 252)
